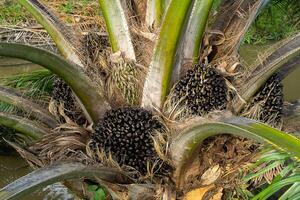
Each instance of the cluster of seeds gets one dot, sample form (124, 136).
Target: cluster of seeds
(201, 90)
(123, 79)
(62, 93)
(127, 134)
(270, 99)
(94, 45)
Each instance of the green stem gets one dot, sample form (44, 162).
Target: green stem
(191, 42)
(23, 125)
(154, 13)
(65, 40)
(158, 78)
(12, 97)
(117, 28)
(82, 86)
(196, 27)
(184, 147)
(59, 172)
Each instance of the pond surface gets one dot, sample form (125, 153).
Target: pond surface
(13, 167)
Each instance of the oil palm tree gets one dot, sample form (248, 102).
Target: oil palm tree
(155, 103)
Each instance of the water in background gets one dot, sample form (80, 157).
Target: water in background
(12, 166)
(291, 89)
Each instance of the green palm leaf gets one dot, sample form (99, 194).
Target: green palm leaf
(117, 27)
(161, 68)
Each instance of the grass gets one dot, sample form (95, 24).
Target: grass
(12, 13)
(69, 9)
(277, 20)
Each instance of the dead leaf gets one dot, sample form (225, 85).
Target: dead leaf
(198, 193)
(211, 175)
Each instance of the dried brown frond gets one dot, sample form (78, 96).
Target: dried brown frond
(228, 30)
(67, 142)
(143, 43)
(33, 35)
(67, 113)
(30, 157)
(228, 153)
(140, 7)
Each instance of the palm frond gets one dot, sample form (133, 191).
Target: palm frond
(59, 172)
(35, 84)
(272, 174)
(25, 126)
(117, 28)
(33, 109)
(158, 79)
(285, 57)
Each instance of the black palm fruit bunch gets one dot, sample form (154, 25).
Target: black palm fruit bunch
(62, 93)
(201, 90)
(127, 133)
(270, 101)
(94, 44)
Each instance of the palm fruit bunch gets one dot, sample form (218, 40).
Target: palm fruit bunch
(201, 90)
(63, 93)
(270, 99)
(127, 133)
(94, 44)
(123, 81)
